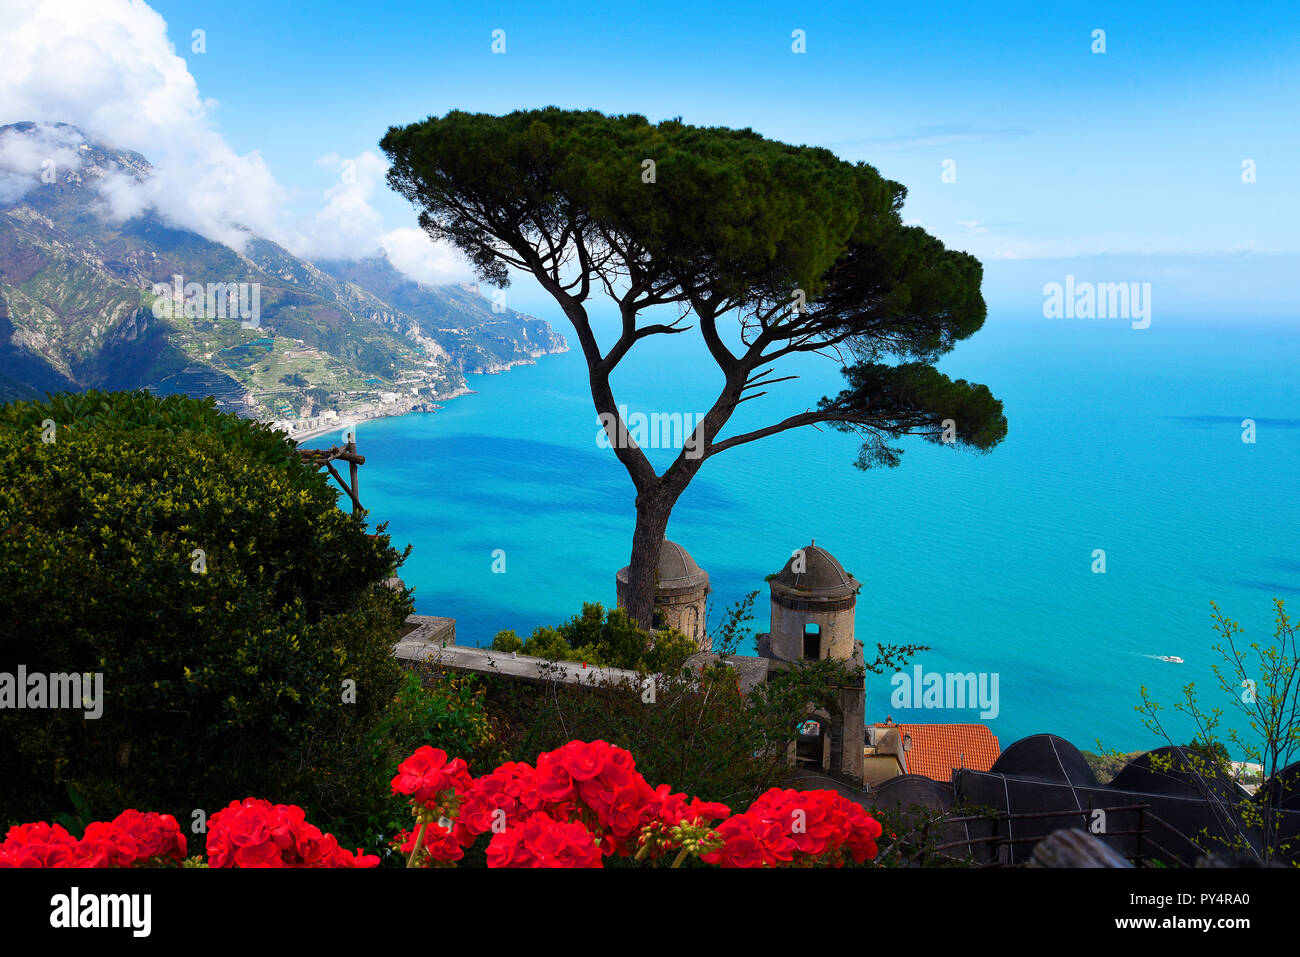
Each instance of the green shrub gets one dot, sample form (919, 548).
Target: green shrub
(547, 642)
(607, 638)
(173, 415)
(700, 731)
(244, 670)
(440, 708)
(701, 734)
(507, 640)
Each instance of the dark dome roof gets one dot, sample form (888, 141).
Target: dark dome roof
(822, 577)
(912, 790)
(1046, 757)
(1187, 776)
(677, 571)
(1283, 788)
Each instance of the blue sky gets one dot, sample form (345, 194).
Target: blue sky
(1058, 153)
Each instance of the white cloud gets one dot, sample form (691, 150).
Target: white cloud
(108, 67)
(414, 253)
(348, 226)
(28, 159)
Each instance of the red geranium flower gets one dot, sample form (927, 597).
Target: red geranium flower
(427, 773)
(544, 842)
(256, 833)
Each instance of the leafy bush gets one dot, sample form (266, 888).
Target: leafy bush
(435, 707)
(173, 415)
(607, 638)
(507, 640)
(237, 615)
(701, 730)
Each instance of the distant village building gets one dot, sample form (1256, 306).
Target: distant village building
(932, 750)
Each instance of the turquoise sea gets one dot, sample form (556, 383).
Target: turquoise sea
(1120, 439)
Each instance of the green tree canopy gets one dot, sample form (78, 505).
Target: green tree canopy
(805, 251)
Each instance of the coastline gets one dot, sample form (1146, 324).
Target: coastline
(353, 419)
(530, 360)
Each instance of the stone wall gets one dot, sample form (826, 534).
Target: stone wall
(788, 631)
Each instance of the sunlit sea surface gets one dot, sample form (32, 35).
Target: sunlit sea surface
(1124, 440)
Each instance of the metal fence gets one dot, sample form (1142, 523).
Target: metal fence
(1000, 845)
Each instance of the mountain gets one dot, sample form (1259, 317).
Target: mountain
(88, 300)
(477, 342)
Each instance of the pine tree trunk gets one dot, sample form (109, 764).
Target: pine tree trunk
(652, 512)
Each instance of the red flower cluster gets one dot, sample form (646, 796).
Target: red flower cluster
(675, 809)
(426, 774)
(582, 798)
(505, 798)
(257, 833)
(132, 839)
(543, 841)
(786, 828)
(586, 800)
(39, 845)
(599, 778)
(581, 803)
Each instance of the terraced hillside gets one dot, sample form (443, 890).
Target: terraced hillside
(87, 301)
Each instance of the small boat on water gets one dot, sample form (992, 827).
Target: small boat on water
(1173, 658)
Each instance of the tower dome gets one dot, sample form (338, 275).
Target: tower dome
(814, 575)
(681, 587)
(678, 571)
(813, 601)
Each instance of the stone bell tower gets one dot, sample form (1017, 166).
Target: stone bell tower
(813, 603)
(680, 591)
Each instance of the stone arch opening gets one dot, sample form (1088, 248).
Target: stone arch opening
(813, 741)
(812, 641)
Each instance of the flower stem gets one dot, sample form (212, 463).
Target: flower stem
(681, 856)
(419, 835)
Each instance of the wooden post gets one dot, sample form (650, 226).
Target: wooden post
(352, 473)
(327, 458)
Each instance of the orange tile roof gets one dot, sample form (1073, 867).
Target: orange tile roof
(938, 748)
